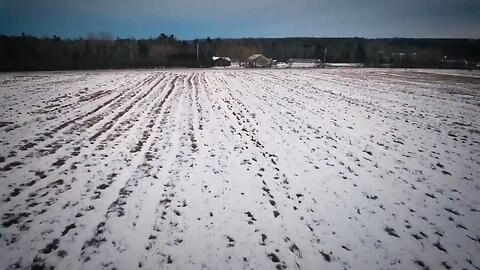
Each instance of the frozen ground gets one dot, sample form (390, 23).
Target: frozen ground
(453, 72)
(239, 169)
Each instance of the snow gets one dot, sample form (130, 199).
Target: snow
(344, 65)
(214, 58)
(452, 72)
(239, 169)
(305, 65)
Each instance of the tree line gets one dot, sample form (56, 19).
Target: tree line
(103, 51)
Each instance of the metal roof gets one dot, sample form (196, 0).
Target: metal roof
(255, 56)
(215, 58)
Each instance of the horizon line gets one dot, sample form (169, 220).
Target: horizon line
(112, 36)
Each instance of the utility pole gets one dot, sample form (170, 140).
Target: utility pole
(130, 46)
(198, 62)
(401, 57)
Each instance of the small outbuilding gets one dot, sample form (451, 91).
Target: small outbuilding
(221, 61)
(305, 62)
(258, 60)
(454, 63)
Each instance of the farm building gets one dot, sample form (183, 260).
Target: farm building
(305, 62)
(221, 61)
(454, 63)
(258, 60)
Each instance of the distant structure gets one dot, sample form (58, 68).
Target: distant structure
(258, 60)
(221, 61)
(454, 63)
(397, 57)
(402, 58)
(305, 62)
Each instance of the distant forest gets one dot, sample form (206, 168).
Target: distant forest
(103, 51)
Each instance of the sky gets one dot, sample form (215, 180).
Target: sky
(189, 19)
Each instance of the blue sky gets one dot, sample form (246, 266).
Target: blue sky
(188, 19)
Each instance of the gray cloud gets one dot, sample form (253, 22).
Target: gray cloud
(370, 18)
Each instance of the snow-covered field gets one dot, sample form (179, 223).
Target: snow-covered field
(239, 169)
(453, 72)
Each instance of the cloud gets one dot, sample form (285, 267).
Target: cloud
(370, 18)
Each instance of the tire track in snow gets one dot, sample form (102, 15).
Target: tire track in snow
(50, 133)
(32, 187)
(145, 210)
(82, 206)
(52, 147)
(130, 189)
